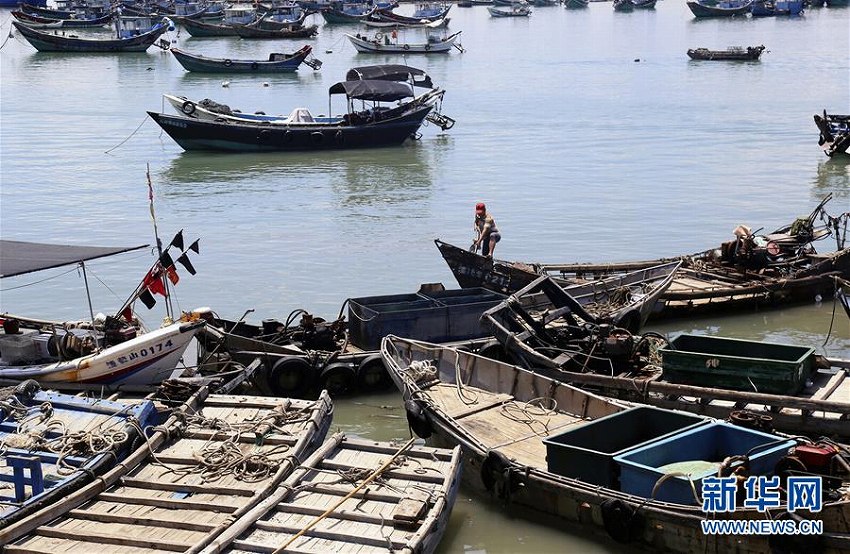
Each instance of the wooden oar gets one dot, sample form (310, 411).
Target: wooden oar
(368, 480)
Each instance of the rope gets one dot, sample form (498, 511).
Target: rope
(468, 400)
(528, 412)
(129, 137)
(39, 282)
(421, 371)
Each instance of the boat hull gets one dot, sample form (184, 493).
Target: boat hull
(48, 42)
(202, 64)
(702, 10)
(193, 134)
(376, 47)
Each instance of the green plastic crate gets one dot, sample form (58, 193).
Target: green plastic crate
(735, 364)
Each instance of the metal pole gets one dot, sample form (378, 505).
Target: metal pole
(88, 292)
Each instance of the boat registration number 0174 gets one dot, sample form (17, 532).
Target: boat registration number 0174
(152, 350)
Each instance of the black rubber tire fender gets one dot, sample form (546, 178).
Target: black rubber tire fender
(188, 107)
(291, 376)
(372, 374)
(338, 379)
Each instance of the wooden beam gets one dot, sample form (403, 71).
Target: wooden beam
(185, 487)
(172, 503)
(396, 472)
(99, 538)
(103, 517)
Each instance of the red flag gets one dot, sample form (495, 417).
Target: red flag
(172, 275)
(127, 314)
(153, 281)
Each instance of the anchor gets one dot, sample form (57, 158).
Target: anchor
(444, 122)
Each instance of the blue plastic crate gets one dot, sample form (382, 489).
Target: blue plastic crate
(641, 468)
(587, 452)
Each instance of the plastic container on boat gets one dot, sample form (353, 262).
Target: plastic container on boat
(698, 452)
(587, 452)
(442, 316)
(737, 364)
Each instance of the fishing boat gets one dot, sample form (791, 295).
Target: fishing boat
(102, 353)
(53, 444)
(834, 133)
(234, 15)
(543, 446)
(354, 494)
(769, 8)
(425, 13)
(276, 62)
(543, 327)
(724, 8)
(348, 13)
(41, 9)
(209, 464)
(39, 22)
(576, 4)
(644, 4)
(514, 11)
(51, 42)
(376, 126)
(304, 353)
(624, 6)
(776, 269)
(733, 53)
(293, 31)
(382, 44)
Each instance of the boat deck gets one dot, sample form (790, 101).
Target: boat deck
(498, 420)
(394, 512)
(225, 457)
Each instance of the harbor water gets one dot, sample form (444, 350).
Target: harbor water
(589, 134)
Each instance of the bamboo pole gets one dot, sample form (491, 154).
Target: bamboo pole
(368, 480)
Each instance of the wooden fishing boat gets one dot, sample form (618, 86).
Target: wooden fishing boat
(377, 126)
(777, 269)
(209, 464)
(382, 44)
(418, 18)
(104, 355)
(53, 444)
(324, 507)
(39, 22)
(276, 62)
(500, 415)
(304, 353)
(50, 42)
(544, 328)
(624, 6)
(513, 11)
(724, 8)
(575, 4)
(834, 133)
(41, 9)
(294, 31)
(644, 4)
(734, 53)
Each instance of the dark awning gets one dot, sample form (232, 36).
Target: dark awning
(390, 73)
(18, 257)
(379, 91)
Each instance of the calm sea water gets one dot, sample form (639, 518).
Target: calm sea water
(589, 134)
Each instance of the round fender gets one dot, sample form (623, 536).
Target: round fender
(427, 47)
(379, 36)
(339, 137)
(372, 374)
(288, 137)
(495, 470)
(255, 66)
(621, 522)
(417, 418)
(494, 350)
(27, 389)
(228, 62)
(188, 107)
(406, 47)
(317, 137)
(338, 379)
(290, 376)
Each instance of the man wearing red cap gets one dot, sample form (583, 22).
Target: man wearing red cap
(488, 234)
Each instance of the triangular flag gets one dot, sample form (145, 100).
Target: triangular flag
(184, 261)
(166, 260)
(172, 275)
(147, 299)
(194, 247)
(177, 241)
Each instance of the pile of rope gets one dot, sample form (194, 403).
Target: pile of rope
(422, 371)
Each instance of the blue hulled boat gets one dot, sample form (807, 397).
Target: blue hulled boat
(767, 8)
(50, 42)
(55, 443)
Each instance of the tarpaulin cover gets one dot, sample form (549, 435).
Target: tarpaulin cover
(379, 91)
(18, 257)
(390, 73)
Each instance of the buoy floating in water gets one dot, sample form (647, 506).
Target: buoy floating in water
(225, 84)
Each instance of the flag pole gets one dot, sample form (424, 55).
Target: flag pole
(163, 276)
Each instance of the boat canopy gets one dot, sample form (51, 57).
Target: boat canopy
(18, 257)
(374, 90)
(390, 72)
